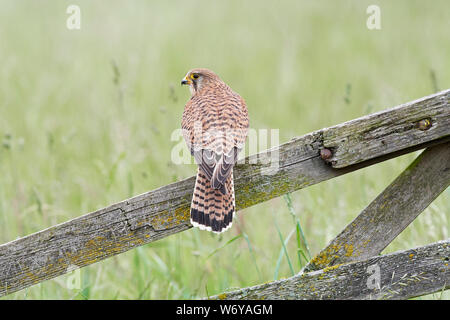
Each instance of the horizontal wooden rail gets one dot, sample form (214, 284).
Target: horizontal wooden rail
(399, 275)
(299, 163)
(384, 132)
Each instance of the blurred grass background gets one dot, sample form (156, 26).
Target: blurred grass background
(86, 118)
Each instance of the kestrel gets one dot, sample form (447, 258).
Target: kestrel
(215, 124)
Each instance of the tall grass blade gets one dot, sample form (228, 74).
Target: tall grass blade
(300, 235)
(252, 254)
(284, 249)
(280, 256)
(224, 245)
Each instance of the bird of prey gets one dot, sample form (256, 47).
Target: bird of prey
(215, 124)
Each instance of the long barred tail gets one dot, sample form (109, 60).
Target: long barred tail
(211, 209)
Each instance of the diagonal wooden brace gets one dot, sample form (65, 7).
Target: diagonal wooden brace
(391, 212)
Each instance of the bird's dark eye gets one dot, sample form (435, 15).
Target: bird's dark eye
(194, 76)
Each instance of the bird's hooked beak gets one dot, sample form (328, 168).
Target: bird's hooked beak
(186, 80)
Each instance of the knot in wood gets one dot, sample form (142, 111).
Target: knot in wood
(325, 154)
(424, 124)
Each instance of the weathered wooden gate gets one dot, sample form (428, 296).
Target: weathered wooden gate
(350, 267)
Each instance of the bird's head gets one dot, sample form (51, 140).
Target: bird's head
(197, 79)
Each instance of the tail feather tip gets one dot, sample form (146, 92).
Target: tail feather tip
(216, 227)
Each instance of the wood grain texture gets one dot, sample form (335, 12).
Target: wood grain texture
(389, 130)
(151, 216)
(391, 212)
(399, 275)
(165, 211)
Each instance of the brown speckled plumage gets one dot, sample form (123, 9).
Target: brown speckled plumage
(215, 124)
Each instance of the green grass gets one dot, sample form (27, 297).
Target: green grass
(86, 118)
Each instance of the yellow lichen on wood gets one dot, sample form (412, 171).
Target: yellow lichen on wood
(222, 296)
(325, 257)
(348, 250)
(365, 243)
(327, 269)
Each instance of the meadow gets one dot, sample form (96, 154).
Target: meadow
(86, 118)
